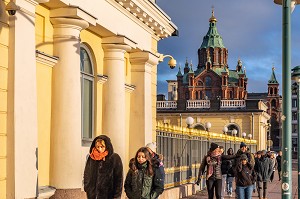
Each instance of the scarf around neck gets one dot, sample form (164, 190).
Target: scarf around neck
(212, 159)
(96, 155)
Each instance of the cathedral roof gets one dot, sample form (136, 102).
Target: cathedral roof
(273, 79)
(212, 37)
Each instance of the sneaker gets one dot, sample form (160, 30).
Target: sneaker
(230, 194)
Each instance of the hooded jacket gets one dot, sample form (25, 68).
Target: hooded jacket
(103, 179)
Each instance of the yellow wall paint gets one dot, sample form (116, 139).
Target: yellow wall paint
(44, 43)
(44, 79)
(43, 31)
(4, 36)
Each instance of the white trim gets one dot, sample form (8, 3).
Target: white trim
(45, 59)
(129, 88)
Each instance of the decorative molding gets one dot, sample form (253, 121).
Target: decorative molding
(102, 78)
(151, 15)
(129, 88)
(45, 59)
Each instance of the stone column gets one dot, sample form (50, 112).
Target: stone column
(65, 168)
(22, 127)
(141, 100)
(114, 93)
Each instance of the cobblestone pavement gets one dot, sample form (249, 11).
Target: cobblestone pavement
(274, 188)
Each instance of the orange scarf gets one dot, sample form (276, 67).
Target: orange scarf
(96, 155)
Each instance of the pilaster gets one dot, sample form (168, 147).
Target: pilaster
(22, 104)
(114, 119)
(141, 99)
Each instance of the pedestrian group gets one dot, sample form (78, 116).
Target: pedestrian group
(103, 174)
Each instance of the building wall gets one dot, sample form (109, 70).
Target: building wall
(4, 42)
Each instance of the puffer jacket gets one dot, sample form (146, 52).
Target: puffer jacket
(103, 178)
(139, 185)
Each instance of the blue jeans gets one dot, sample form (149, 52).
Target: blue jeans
(244, 192)
(229, 184)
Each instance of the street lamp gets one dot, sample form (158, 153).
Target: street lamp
(296, 77)
(286, 191)
(234, 132)
(225, 130)
(189, 121)
(244, 135)
(207, 126)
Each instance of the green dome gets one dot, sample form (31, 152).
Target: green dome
(212, 38)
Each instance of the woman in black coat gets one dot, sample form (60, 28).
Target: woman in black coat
(103, 173)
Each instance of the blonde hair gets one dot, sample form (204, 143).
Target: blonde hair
(101, 142)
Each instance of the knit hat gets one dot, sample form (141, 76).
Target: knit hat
(242, 144)
(244, 157)
(151, 146)
(213, 146)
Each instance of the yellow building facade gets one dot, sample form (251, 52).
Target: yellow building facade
(69, 71)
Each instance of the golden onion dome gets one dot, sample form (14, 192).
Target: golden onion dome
(213, 18)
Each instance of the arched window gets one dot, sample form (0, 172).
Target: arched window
(230, 129)
(208, 82)
(87, 93)
(273, 103)
(199, 127)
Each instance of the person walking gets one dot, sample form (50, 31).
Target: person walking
(227, 170)
(143, 181)
(103, 173)
(156, 159)
(213, 161)
(245, 178)
(244, 150)
(273, 160)
(278, 160)
(263, 169)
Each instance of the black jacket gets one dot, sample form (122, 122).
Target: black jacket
(263, 168)
(104, 178)
(139, 185)
(278, 159)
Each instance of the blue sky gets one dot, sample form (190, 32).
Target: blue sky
(251, 30)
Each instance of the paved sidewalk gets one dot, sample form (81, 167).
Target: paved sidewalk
(274, 189)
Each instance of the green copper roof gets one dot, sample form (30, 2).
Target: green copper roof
(273, 79)
(212, 38)
(179, 74)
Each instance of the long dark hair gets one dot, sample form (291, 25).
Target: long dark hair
(230, 151)
(144, 150)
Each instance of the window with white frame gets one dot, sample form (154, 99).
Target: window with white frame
(87, 93)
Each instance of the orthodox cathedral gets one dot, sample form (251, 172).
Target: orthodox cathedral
(214, 93)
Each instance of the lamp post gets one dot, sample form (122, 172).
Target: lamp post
(250, 137)
(296, 77)
(225, 130)
(234, 132)
(286, 191)
(207, 127)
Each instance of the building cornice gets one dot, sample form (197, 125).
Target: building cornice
(151, 15)
(45, 59)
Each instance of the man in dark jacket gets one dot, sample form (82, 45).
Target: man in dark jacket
(244, 150)
(278, 160)
(263, 168)
(103, 173)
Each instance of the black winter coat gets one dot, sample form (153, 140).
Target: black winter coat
(103, 179)
(263, 168)
(278, 159)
